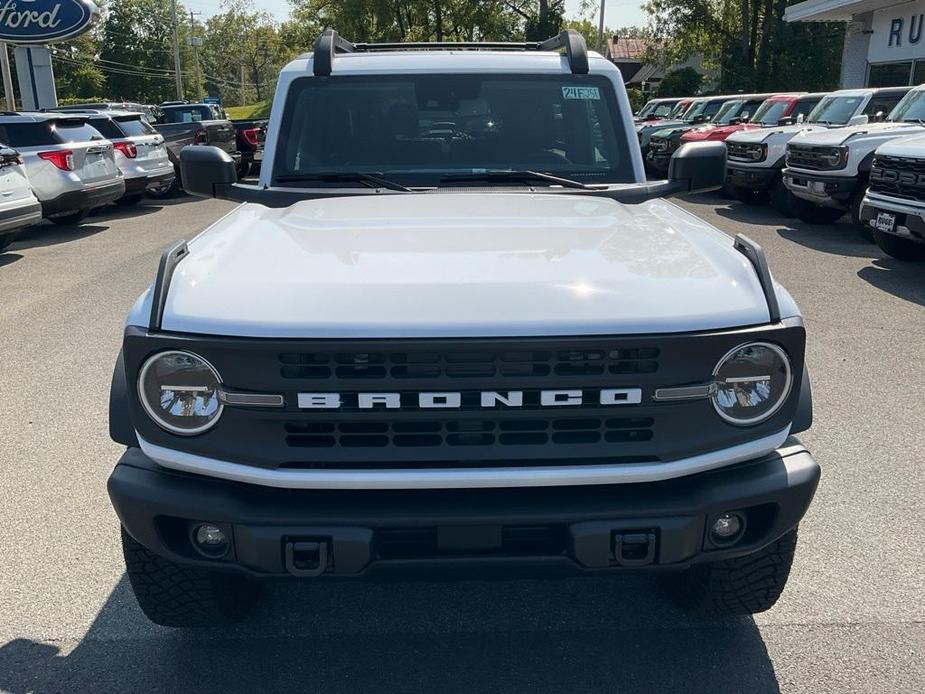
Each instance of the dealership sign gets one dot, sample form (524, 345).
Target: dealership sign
(898, 33)
(45, 21)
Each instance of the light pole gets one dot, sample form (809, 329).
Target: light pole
(600, 31)
(176, 50)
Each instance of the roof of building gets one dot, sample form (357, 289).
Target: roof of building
(622, 48)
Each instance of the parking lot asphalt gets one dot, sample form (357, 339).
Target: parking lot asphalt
(851, 619)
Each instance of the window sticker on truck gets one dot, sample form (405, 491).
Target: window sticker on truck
(581, 93)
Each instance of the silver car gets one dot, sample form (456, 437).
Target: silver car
(71, 166)
(19, 207)
(140, 152)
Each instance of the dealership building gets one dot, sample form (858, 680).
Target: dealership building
(884, 40)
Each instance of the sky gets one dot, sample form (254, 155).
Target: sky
(618, 13)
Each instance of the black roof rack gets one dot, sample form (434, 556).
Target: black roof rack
(330, 43)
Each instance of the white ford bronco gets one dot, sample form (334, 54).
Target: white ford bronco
(894, 207)
(827, 170)
(756, 157)
(452, 332)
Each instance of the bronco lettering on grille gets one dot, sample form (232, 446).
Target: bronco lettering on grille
(454, 399)
(904, 178)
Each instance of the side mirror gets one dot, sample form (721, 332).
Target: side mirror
(858, 120)
(800, 118)
(880, 117)
(745, 117)
(789, 120)
(204, 168)
(701, 119)
(699, 166)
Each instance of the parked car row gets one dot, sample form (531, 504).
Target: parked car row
(817, 157)
(61, 164)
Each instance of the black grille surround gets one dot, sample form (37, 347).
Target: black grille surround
(470, 436)
(898, 177)
(739, 151)
(810, 158)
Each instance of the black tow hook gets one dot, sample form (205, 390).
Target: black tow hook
(634, 549)
(307, 558)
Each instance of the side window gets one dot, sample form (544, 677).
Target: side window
(881, 104)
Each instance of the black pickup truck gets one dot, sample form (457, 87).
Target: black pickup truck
(184, 124)
(251, 135)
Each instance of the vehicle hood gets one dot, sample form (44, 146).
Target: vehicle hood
(652, 126)
(758, 135)
(712, 132)
(460, 265)
(912, 146)
(839, 136)
(673, 131)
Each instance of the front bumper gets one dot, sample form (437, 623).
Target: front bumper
(910, 217)
(751, 177)
(464, 532)
(822, 189)
(84, 199)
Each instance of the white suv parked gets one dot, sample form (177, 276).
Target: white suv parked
(140, 152)
(18, 205)
(755, 157)
(71, 166)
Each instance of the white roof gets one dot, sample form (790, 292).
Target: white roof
(833, 10)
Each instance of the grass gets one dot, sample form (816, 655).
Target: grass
(259, 110)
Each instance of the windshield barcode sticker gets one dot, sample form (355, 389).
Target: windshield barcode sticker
(581, 93)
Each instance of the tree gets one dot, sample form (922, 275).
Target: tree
(78, 76)
(685, 81)
(136, 51)
(748, 42)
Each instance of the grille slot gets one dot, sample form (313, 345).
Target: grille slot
(463, 365)
(900, 177)
(469, 432)
(804, 157)
(422, 543)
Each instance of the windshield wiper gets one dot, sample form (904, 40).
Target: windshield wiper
(508, 175)
(920, 121)
(373, 179)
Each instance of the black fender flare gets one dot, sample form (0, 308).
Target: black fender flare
(803, 417)
(121, 429)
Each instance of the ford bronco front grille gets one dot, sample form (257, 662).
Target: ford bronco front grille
(740, 151)
(898, 177)
(479, 425)
(811, 158)
(451, 365)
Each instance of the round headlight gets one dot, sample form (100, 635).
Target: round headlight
(180, 392)
(752, 382)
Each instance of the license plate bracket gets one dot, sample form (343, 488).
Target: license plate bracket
(885, 222)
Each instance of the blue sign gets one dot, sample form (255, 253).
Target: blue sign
(217, 100)
(45, 21)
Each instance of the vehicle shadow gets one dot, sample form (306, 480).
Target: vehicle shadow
(614, 634)
(119, 212)
(903, 280)
(7, 258)
(836, 239)
(49, 234)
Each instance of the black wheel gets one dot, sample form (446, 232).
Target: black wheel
(69, 219)
(900, 248)
(744, 585)
(781, 199)
(750, 197)
(180, 596)
(864, 231)
(5, 241)
(814, 214)
(129, 200)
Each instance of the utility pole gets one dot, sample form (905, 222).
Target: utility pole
(7, 78)
(176, 50)
(600, 31)
(243, 89)
(195, 43)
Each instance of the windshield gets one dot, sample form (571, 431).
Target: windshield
(770, 112)
(416, 129)
(835, 110)
(911, 108)
(728, 111)
(649, 108)
(678, 110)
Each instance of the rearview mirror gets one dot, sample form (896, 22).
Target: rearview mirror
(699, 166)
(203, 169)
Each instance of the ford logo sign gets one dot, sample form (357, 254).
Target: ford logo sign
(44, 21)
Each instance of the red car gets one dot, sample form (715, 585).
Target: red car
(779, 109)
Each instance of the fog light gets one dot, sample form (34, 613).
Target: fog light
(727, 528)
(210, 540)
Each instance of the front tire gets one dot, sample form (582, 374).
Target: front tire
(782, 199)
(750, 197)
(182, 596)
(814, 214)
(899, 248)
(744, 585)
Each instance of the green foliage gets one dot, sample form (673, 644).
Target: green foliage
(748, 42)
(685, 81)
(259, 110)
(637, 98)
(75, 76)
